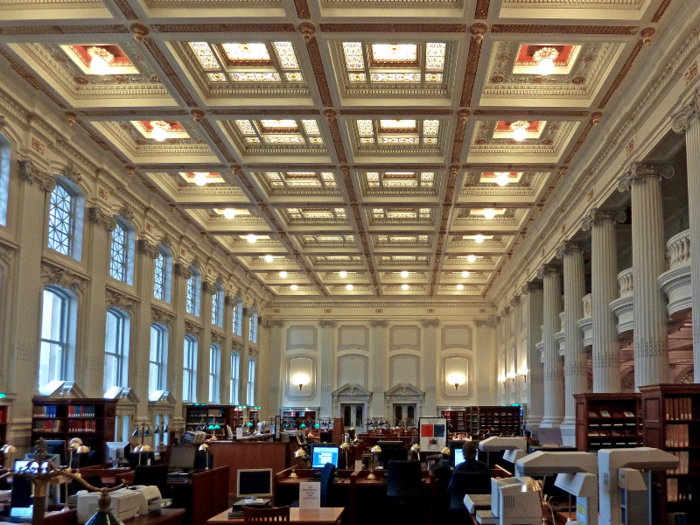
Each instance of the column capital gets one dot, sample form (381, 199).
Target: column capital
(514, 301)
(597, 217)
(270, 323)
(638, 173)
(547, 269)
(689, 114)
(568, 247)
(99, 217)
(146, 247)
(327, 323)
(230, 300)
(183, 270)
(430, 322)
(530, 287)
(29, 173)
(491, 321)
(505, 310)
(381, 323)
(208, 287)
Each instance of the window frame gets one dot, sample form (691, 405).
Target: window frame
(189, 391)
(217, 299)
(5, 156)
(234, 377)
(251, 382)
(67, 330)
(120, 345)
(194, 292)
(167, 274)
(237, 318)
(214, 373)
(253, 327)
(125, 271)
(75, 219)
(161, 362)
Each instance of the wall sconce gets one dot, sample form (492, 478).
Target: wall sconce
(456, 380)
(523, 372)
(501, 378)
(511, 375)
(301, 380)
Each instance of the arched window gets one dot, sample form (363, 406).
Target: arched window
(194, 288)
(58, 325)
(238, 317)
(163, 274)
(189, 370)
(214, 373)
(158, 360)
(116, 372)
(65, 219)
(251, 381)
(121, 257)
(217, 306)
(233, 382)
(253, 326)
(5, 152)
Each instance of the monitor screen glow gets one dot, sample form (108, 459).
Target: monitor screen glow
(254, 483)
(459, 456)
(323, 455)
(22, 464)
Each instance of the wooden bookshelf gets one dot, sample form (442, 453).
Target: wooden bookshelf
(292, 417)
(608, 421)
(671, 414)
(213, 419)
(4, 423)
(456, 418)
(91, 420)
(495, 420)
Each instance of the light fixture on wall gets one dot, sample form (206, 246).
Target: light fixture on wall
(460, 287)
(471, 258)
(465, 274)
(502, 378)
(404, 287)
(343, 274)
(294, 287)
(301, 380)
(456, 379)
(523, 372)
(404, 274)
(349, 287)
(510, 375)
(283, 274)
(251, 238)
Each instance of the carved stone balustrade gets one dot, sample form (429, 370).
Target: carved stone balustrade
(675, 283)
(585, 324)
(623, 307)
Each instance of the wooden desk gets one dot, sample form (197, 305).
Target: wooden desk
(324, 516)
(202, 496)
(159, 517)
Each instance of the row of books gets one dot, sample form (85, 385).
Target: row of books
(608, 413)
(611, 432)
(46, 411)
(678, 490)
(3, 415)
(684, 459)
(677, 436)
(679, 408)
(47, 425)
(89, 425)
(81, 411)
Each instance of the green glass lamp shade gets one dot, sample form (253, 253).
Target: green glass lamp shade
(317, 425)
(217, 427)
(303, 425)
(210, 427)
(250, 424)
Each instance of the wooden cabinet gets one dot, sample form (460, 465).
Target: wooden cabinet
(456, 418)
(608, 421)
(488, 421)
(213, 419)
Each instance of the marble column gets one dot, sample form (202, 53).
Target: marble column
(535, 369)
(605, 289)
(430, 366)
(245, 356)
(575, 359)
(327, 359)
(687, 121)
(229, 302)
(377, 365)
(513, 346)
(648, 261)
(486, 362)
(274, 376)
(20, 377)
(205, 341)
(553, 374)
(139, 360)
(98, 239)
(503, 355)
(176, 345)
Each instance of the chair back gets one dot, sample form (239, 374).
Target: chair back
(327, 476)
(467, 483)
(403, 479)
(253, 515)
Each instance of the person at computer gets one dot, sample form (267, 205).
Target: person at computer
(470, 463)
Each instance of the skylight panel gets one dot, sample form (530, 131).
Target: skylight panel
(217, 77)
(205, 55)
(394, 52)
(280, 124)
(311, 127)
(430, 127)
(284, 139)
(407, 125)
(354, 60)
(395, 77)
(435, 56)
(357, 77)
(255, 77)
(246, 52)
(296, 77)
(286, 56)
(365, 128)
(246, 127)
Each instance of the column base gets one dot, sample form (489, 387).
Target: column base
(550, 422)
(568, 433)
(532, 424)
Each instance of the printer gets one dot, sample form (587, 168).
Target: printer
(125, 504)
(151, 499)
(512, 503)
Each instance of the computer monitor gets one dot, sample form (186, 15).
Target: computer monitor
(254, 483)
(386, 445)
(458, 457)
(455, 445)
(389, 454)
(325, 437)
(118, 451)
(322, 454)
(182, 458)
(56, 447)
(22, 464)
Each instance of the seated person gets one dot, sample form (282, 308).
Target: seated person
(470, 463)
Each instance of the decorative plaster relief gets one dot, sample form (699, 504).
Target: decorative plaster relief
(353, 368)
(456, 337)
(302, 337)
(353, 337)
(404, 337)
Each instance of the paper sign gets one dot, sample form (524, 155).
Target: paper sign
(309, 495)
(358, 464)
(239, 432)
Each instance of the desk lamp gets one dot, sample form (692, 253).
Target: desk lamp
(345, 447)
(376, 449)
(415, 448)
(204, 447)
(300, 453)
(8, 451)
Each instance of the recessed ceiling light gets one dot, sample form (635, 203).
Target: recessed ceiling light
(489, 213)
(479, 238)
(471, 258)
(251, 238)
(404, 274)
(545, 60)
(269, 258)
(460, 287)
(348, 287)
(283, 274)
(502, 179)
(230, 213)
(343, 273)
(101, 59)
(294, 287)
(404, 287)
(465, 274)
(519, 129)
(158, 132)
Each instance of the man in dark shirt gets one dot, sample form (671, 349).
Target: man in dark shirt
(470, 463)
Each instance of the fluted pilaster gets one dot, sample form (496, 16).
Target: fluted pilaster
(553, 373)
(430, 365)
(377, 361)
(275, 363)
(326, 382)
(535, 375)
(648, 252)
(606, 346)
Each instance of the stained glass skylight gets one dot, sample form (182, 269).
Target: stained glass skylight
(400, 179)
(316, 213)
(286, 132)
(408, 132)
(394, 63)
(401, 213)
(301, 179)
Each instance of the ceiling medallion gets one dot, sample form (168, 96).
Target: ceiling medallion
(497, 79)
(545, 58)
(245, 48)
(101, 59)
(160, 128)
(519, 129)
(578, 80)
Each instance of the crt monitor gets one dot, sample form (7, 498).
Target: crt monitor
(456, 446)
(254, 483)
(56, 447)
(182, 458)
(386, 445)
(325, 437)
(458, 457)
(322, 455)
(118, 451)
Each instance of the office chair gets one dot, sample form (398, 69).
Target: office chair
(467, 483)
(152, 475)
(403, 479)
(393, 454)
(327, 476)
(252, 515)
(203, 460)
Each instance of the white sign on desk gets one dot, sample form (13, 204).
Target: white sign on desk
(309, 495)
(239, 432)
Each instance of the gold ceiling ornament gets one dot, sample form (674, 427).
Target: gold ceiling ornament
(519, 129)
(545, 58)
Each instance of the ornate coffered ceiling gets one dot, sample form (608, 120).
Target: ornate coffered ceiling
(341, 147)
